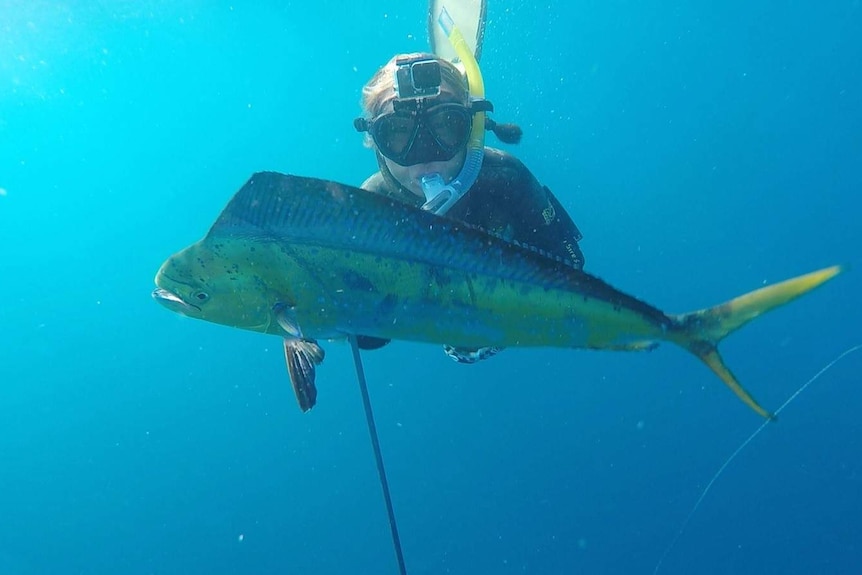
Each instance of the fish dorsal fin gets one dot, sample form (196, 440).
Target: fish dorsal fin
(301, 209)
(295, 206)
(265, 202)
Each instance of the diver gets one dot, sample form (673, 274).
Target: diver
(420, 117)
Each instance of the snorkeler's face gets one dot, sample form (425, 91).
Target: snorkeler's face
(409, 173)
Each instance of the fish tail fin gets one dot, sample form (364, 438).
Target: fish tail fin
(701, 331)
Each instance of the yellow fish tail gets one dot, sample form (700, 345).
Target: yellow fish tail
(701, 331)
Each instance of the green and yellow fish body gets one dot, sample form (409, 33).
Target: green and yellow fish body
(310, 259)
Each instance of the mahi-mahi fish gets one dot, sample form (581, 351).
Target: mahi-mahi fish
(309, 260)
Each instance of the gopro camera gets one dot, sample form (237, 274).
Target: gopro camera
(417, 78)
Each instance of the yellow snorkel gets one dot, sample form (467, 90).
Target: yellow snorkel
(474, 76)
(439, 195)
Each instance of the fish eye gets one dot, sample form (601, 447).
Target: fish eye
(201, 296)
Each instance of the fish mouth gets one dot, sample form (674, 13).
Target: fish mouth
(173, 301)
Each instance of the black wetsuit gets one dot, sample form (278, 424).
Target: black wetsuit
(506, 200)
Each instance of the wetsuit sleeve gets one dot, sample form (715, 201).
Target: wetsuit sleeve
(540, 220)
(561, 229)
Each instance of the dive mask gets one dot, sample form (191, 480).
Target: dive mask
(419, 132)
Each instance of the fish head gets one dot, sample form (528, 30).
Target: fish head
(201, 283)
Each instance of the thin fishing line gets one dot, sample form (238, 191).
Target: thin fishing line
(743, 446)
(378, 455)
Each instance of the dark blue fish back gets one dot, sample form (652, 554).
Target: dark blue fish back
(296, 209)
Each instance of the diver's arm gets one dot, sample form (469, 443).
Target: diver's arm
(540, 220)
(561, 229)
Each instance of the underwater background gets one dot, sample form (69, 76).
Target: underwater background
(703, 149)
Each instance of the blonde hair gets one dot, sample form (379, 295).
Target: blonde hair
(380, 89)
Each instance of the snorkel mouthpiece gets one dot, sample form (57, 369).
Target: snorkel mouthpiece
(439, 196)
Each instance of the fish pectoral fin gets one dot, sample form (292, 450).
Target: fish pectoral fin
(302, 356)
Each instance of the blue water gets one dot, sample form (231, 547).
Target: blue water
(702, 148)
